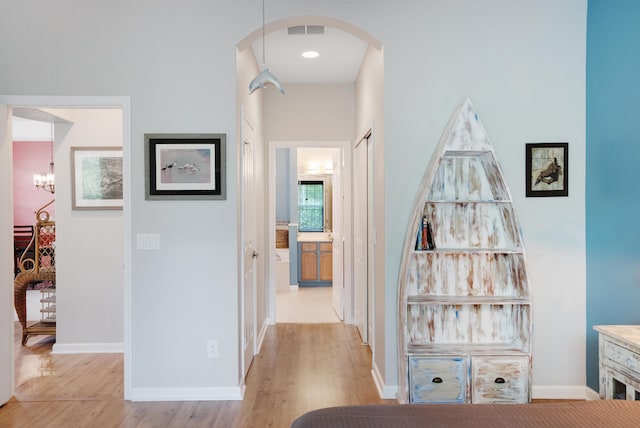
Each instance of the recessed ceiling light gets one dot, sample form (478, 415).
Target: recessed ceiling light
(310, 54)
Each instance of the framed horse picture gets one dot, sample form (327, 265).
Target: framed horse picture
(547, 169)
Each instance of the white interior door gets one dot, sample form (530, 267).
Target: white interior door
(249, 254)
(338, 234)
(360, 227)
(6, 258)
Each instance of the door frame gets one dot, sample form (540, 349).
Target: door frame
(87, 102)
(246, 119)
(346, 147)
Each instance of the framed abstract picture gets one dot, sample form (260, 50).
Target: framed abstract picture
(96, 178)
(547, 169)
(185, 166)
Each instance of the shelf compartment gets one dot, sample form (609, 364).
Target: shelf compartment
(467, 274)
(486, 349)
(48, 308)
(482, 324)
(468, 175)
(467, 300)
(467, 225)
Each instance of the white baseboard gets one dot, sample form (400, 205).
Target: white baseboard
(386, 392)
(261, 335)
(186, 394)
(563, 393)
(88, 348)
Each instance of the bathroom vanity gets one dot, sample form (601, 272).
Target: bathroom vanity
(315, 259)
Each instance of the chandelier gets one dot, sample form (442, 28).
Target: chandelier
(46, 181)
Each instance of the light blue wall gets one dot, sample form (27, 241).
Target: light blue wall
(286, 191)
(293, 216)
(282, 185)
(613, 169)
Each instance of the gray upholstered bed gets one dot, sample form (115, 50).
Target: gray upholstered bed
(583, 414)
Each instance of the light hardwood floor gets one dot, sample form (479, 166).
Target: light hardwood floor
(305, 305)
(301, 367)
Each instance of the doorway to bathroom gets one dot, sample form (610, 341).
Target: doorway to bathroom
(308, 280)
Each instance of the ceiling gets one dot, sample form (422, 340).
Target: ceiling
(341, 54)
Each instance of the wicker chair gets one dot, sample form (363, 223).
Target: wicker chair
(41, 267)
(22, 237)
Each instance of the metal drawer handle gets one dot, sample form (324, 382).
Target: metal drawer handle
(499, 380)
(437, 380)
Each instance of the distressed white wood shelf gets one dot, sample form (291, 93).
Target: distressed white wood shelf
(464, 323)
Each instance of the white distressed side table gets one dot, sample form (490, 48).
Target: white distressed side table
(619, 357)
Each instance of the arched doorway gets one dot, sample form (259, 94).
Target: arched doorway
(298, 115)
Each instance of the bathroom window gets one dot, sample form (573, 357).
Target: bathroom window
(311, 206)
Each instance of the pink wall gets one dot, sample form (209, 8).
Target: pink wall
(29, 157)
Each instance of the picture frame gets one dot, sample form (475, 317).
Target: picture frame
(96, 178)
(185, 166)
(547, 169)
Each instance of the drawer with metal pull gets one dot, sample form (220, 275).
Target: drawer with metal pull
(497, 379)
(437, 379)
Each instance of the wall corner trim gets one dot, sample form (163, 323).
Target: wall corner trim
(386, 392)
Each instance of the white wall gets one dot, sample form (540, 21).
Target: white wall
(370, 117)
(6, 259)
(89, 244)
(522, 64)
(310, 112)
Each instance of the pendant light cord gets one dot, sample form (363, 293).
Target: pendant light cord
(264, 59)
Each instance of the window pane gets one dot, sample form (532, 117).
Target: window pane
(311, 206)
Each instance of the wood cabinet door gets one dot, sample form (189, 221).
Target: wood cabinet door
(326, 261)
(309, 262)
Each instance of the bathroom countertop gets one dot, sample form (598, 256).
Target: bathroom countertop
(314, 237)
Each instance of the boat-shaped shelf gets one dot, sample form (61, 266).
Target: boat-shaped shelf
(464, 315)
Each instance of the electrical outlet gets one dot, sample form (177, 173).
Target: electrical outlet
(212, 349)
(147, 241)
